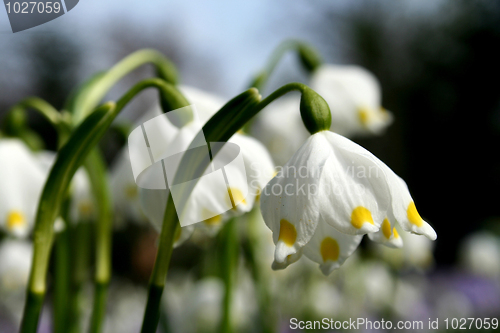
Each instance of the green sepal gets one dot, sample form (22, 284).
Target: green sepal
(315, 111)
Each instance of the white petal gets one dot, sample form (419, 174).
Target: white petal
(206, 104)
(354, 194)
(353, 94)
(124, 190)
(22, 177)
(258, 163)
(387, 235)
(15, 258)
(403, 208)
(289, 207)
(289, 259)
(400, 208)
(330, 248)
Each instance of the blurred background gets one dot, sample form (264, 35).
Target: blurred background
(438, 64)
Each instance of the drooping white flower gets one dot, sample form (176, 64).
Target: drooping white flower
(329, 194)
(354, 97)
(209, 197)
(22, 179)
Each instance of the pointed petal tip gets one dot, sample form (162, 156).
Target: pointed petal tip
(327, 269)
(282, 251)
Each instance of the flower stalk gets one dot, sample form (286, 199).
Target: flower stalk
(71, 156)
(308, 56)
(224, 124)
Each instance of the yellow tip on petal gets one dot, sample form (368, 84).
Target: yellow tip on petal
(359, 216)
(413, 215)
(363, 116)
(237, 197)
(15, 219)
(396, 235)
(213, 221)
(329, 249)
(386, 228)
(288, 233)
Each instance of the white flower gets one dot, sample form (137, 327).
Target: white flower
(330, 193)
(480, 254)
(15, 264)
(354, 97)
(22, 179)
(279, 127)
(124, 191)
(208, 194)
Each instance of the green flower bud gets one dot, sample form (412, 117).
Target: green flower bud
(315, 111)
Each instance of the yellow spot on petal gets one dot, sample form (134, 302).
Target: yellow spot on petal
(288, 233)
(213, 221)
(363, 116)
(395, 232)
(329, 249)
(131, 191)
(237, 197)
(15, 219)
(359, 216)
(413, 215)
(386, 228)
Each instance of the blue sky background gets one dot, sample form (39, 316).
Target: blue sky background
(230, 39)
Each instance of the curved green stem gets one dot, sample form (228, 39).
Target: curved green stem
(69, 159)
(94, 90)
(308, 56)
(43, 108)
(224, 124)
(16, 120)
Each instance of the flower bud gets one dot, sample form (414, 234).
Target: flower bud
(315, 111)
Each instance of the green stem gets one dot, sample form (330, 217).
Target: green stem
(302, 48)
(266, 310)
(219, 128)
(93, 91)
(229, 269)
(62, 281)
(16, 121)
(80, 237)
(43, 108)
(224, 124)
(69, 159)
(96, 170)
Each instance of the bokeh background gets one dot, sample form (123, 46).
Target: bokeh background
(437, 61)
